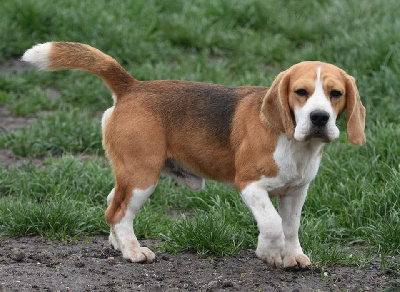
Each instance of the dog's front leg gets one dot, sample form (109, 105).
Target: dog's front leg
(271, 240)
(289, 207)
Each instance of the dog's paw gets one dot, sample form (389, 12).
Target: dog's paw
(139, 255)
(113, 242)
(272, 258)
(271, 251)
(293, 260)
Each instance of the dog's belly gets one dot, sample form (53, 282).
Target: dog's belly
(183, 174)
(193, 177)
(204, 159)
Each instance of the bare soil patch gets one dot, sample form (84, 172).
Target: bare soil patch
(9, 121)
(37, 264)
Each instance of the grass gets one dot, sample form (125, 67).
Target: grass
(354, 201)
(55, 134)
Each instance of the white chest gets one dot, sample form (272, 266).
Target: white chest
(298, 164)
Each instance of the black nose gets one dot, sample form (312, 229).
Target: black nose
(319, 118)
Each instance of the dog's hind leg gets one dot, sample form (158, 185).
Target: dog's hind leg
(111, 239)
(133, 185)
(122, 236)
(137, 161)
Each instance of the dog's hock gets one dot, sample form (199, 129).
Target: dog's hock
(122, 236)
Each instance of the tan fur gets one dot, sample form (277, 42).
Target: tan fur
(67, 55)
(275, 108)
(137, 157)
(355, 113)
(155, 120)
(253, 158)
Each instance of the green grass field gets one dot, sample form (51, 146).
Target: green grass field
(352, 213)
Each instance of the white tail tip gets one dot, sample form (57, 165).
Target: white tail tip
(38, 55)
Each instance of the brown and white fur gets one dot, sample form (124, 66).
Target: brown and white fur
(265, 141)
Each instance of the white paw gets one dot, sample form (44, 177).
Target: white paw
(292, 260)
(271, 251)
(271, 257)
(139, 255)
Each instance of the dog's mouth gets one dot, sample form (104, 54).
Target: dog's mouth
(319, 134)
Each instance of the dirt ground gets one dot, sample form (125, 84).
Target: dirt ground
(36, 264)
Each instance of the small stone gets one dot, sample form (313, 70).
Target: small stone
(159, 277)
(227, 284)
(165, 257)
(212, 285)
(18, 255)
(390, 272)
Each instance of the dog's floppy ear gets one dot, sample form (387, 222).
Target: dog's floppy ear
(275, 109)
(355, 113)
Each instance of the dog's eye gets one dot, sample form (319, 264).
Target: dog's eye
(335, 94)
(301, 92)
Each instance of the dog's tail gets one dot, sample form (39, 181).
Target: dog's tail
(67, 55)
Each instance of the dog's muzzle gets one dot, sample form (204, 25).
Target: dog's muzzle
(319, 119)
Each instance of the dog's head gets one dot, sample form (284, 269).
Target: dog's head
(306, 100)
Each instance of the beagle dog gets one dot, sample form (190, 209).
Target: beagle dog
(265, 141)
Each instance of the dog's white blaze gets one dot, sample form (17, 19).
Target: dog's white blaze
(318, 80)
(38, 56)
(317, 101)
